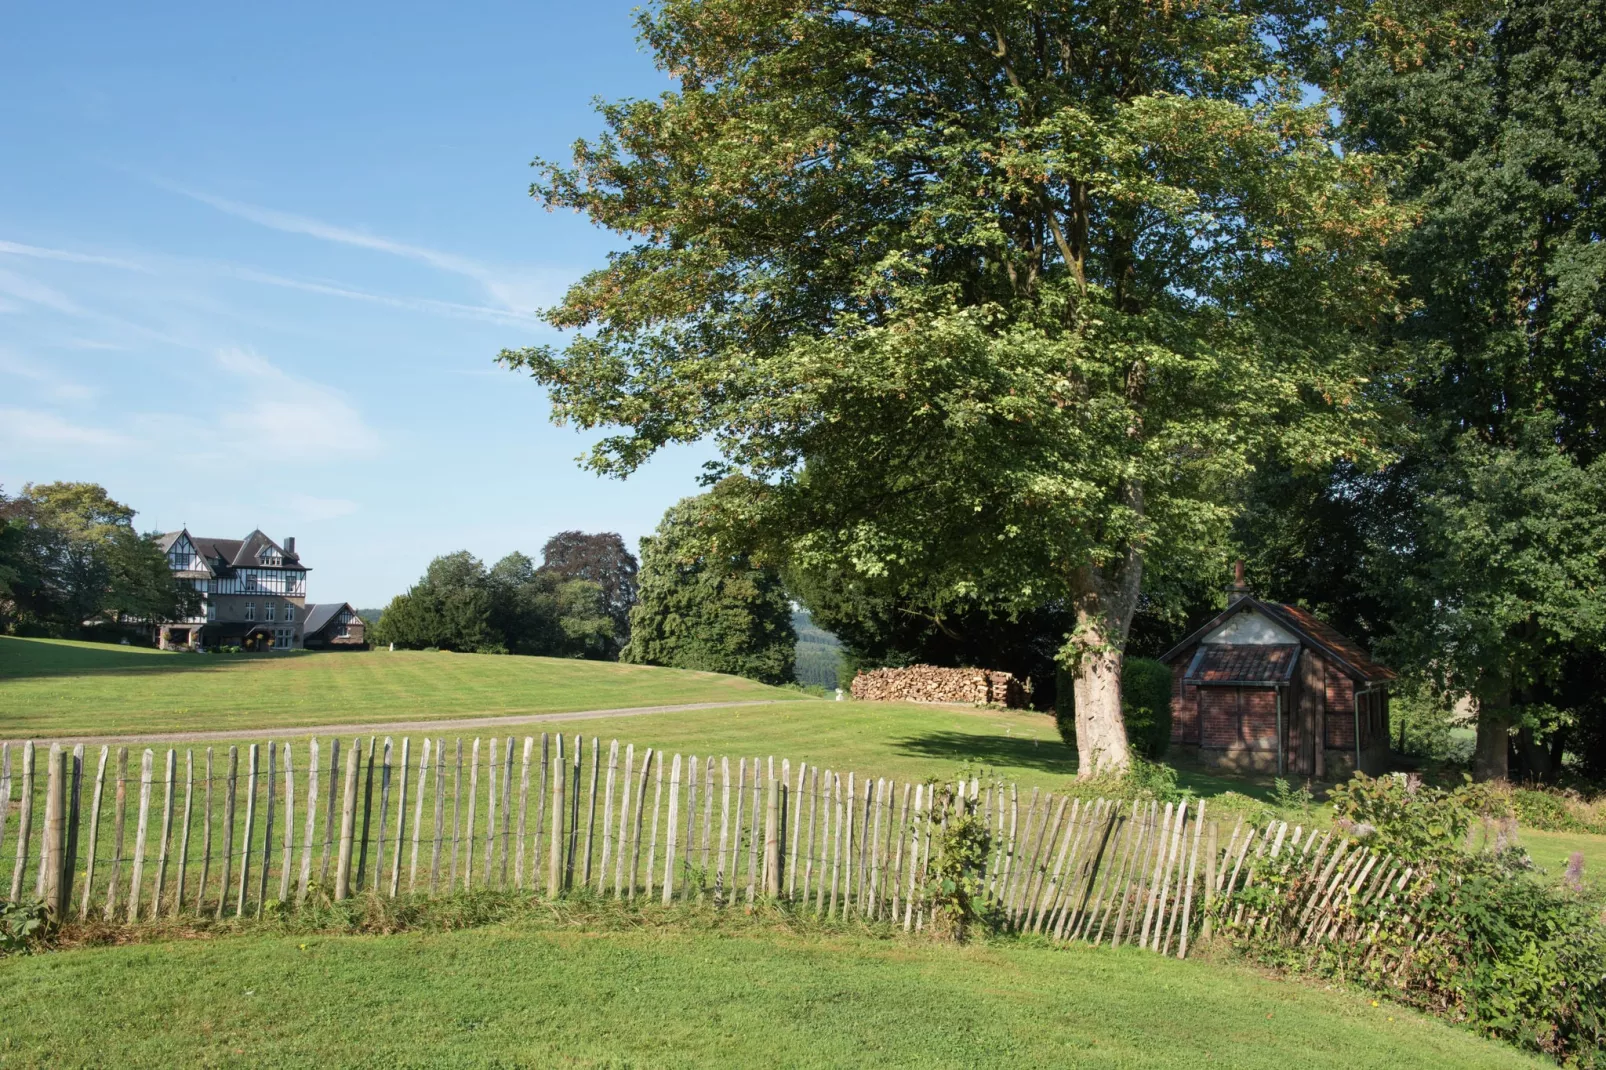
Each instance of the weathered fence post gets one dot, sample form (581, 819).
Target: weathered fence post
(312, 820)
(183, 836)
(772, 839)
(401, 815)
(348, 822)
(591, 816)
(24, 820)
(554, 871)
(170, 782)
(251, 770)
(367, 814)
(94, 826)
(267, 828)
(55, 843)
(672, 839)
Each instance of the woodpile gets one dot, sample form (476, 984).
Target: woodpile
(929, 683)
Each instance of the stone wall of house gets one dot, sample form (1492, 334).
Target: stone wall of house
(930, 683)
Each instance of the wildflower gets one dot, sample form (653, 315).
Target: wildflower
(1575, 871)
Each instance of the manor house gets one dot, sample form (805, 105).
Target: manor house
(253, 595)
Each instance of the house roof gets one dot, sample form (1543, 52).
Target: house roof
(232, 553)
(1243, 664)
(1347, 654)
(319, 614)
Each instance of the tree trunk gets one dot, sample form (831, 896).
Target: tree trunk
(1100, 731)
(1103, 619)
(1491, 756)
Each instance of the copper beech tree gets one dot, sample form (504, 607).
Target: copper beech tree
(989, 303)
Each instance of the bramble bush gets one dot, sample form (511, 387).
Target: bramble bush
(954, 884)
(1480, 936)
(22, 926)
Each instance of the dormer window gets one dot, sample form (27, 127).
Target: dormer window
(269, 556)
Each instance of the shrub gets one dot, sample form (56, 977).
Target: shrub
(1400, 813)
(1556, 810)
(1145, 707)
(954, 884)
(22, 925)
(1477, 934)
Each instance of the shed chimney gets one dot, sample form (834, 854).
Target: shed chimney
(290, 549)
(1239, 589)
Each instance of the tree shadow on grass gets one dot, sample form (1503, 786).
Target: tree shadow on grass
(962, 748)
(23, 657)
(1052, 756)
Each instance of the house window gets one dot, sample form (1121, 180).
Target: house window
(250, 611)
(211, 611)
(343, 632)
(289, 611)
(271, 610)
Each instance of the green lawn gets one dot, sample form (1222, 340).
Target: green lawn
(534, 992)
(57, 688)
(526, 993)
(52, 688)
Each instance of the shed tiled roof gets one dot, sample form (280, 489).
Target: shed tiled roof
(1243, 664)
(1342, 651)
(1336, 641)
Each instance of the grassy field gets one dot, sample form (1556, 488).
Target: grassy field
(56, 688)
(528, 993)
(670, 992)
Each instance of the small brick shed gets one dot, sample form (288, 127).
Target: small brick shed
(1260, 685)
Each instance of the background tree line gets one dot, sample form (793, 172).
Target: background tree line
(1015, 324)
(71, 563)
(589, 599)
(576, 603)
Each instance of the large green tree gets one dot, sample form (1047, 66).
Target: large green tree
(701, 608)
(511, 607)
(1478, 559)
(986, 301)
(70, 556)
(598, 558)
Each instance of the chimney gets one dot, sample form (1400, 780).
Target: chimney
(290, 551)
(1239, 590)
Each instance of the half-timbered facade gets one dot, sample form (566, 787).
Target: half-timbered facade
(253, 592)
(1268, 687)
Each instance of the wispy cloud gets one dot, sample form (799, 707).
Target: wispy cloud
(288, 416)
(416, 304)
(15, 365)
(517, 290)
(28, 291)
(291, 223)
(514, 295)
(39, 253)
(32, 428)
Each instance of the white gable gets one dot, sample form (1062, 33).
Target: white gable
(1250, 628)
(181, 556)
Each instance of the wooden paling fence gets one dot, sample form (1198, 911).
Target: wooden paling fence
(128, 837)
(1322, 889)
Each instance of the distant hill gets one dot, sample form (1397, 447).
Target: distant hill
(819, 655)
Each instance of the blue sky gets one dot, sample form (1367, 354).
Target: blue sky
(255, 262)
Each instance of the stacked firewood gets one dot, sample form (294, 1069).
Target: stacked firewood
(929, 683)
